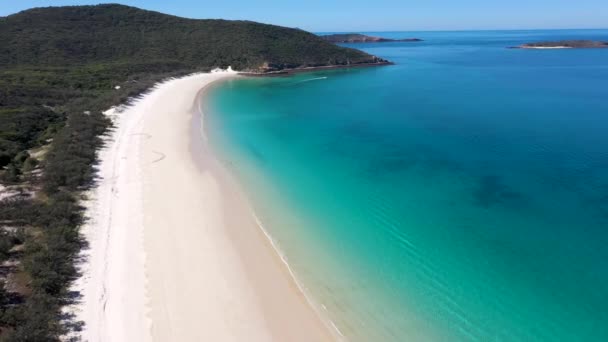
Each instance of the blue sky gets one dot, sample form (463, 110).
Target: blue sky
(374, 15)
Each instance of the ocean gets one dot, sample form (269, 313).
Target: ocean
(458, 195)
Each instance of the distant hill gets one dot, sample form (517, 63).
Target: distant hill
(361, 38)
(571, 44)
(85, 34)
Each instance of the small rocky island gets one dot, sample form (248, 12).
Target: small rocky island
(565, 44)
(361, 38)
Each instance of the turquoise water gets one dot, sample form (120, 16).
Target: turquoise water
(459, 195)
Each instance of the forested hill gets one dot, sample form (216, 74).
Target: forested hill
(104, 33)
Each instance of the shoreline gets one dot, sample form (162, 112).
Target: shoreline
(168, 257)
(201, 147)
(287, 72)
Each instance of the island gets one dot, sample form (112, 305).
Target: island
(564, 44)
(361, 38)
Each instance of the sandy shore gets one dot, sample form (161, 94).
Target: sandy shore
(175, 254)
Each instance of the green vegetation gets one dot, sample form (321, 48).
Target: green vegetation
(109, 33)
(59, 69)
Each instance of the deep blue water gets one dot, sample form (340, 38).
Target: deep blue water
(459, 195)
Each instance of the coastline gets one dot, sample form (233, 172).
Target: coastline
(287, 72)
(260, 236)
(175, 251)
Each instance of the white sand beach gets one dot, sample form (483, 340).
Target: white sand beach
(175, 254)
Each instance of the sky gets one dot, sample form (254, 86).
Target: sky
(373, 15)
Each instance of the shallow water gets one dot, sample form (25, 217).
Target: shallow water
(461, 194)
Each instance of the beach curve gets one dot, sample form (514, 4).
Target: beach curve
(165, 261)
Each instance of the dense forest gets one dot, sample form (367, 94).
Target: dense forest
(110, 33)
(60, 68)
